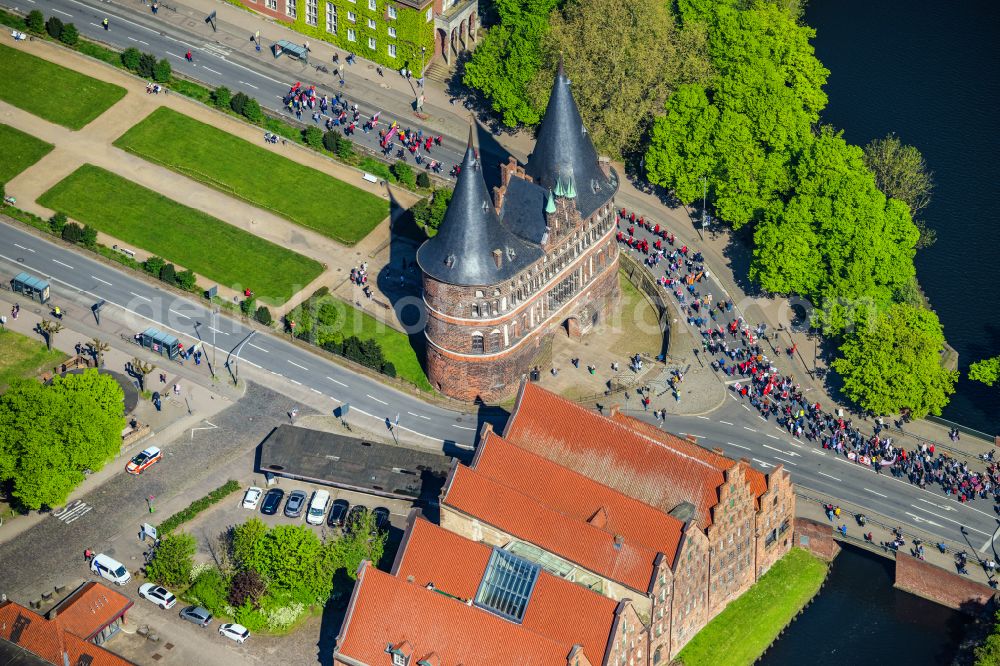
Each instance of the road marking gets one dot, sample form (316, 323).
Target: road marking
(787, 462)
(95, 25)
(950, 520)
(142, 42)
(248, 84)
(59, 11)
(869, 490)
(817, 451)
(462, 427)
(179, 314)
(828, 476)
(335, 381)
(294, 382)
(918, 519)
(62, 264)
(419, 416)
(766, 446)
(798, 446)
(749, 428)
(250, 344)
(761, 462)
(216, 330)
(771, 436)
(725, 422)
(745, 407)
(245, 360)
(296, 364)
(762, 418)
(23, 248)
(100, 280)
(211, 426)
(703, 418)
(739, 446)
(134, 39)
(376, 399)
(142, 297)
(175, 55)
(730, 395)
(211, 70)
(946, 508)
(315, 391)
(72, 511)
(846, 462)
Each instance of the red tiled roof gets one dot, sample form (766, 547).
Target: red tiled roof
(568, 492)
(48, 639)
(576, 540)
(639, 461)
(90, 608)
(386, 610)
(558, 609)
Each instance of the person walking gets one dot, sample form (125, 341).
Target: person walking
(105, 24)
(188, 56)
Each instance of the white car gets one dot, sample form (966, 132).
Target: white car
(236, 632)
(252, 497)
(158, 595)
(110, 569)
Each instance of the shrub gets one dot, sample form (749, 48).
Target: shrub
(70, 36)
(173, 560)
(210, 590)
(35, 21)
(57, 222)
(246, 587)
(13, 21)
(247, 307)
(186, 279)
(376, 168)
(88, 236)
(314, 137)
(284, 616)
(162, 71)
(252, 112)
(147, 65)
(197, 507)
(423, 180)
(168, 274)
(130, 58)
(404, 173)
(388, 369)
(154, 265)
(263, 315)
(221, 97)
(72, 232)
(54, 27)
(331, 140)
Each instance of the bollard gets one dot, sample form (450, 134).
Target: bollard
(60, 589)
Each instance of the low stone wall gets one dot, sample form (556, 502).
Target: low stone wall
(944, 587)
(816, 538)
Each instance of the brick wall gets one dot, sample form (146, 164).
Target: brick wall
(934, 583)
(731, 539)
(816, 537)
(629, 637)
(690, 610)
(774, 520)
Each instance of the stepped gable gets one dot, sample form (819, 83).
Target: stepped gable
(472, 247)
(558, 609)
(564, 154)
(573, 494)
(662, 471)
(576, 540)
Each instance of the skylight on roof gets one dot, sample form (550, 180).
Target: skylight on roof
(507, 585)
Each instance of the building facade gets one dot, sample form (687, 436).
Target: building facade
(503, 273)
(395, 33)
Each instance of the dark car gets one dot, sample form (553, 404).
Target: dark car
(197, 615)
(354, 516)
(296, 502)
(272, 501)
(338, 512)
(381, 518)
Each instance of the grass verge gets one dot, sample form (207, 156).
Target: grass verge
(228, 163)
(21, 357)
(69, 98)
(20, 151)
(740, 634)
(395, 345)
(190, 238)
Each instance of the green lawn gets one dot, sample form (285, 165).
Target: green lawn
(21, 356)
(395, 344)
(187, 237)
(303, 195)
(20, 151)
(53, 92)
(739, 635)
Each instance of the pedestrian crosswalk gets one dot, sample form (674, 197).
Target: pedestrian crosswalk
(72, 511)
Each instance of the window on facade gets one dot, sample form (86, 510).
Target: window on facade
(371, 5)
(391, 11)
(312, 13)
(477, 344)
(371, 43)
(430, 13)
(271, 4)
(352, 17)
(371, 23)
(392, 33)
(475, 309)
(331, 18)
(290, 8)
(351, 35)
(398, 659)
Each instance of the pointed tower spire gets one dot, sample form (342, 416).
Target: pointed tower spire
(550, 205)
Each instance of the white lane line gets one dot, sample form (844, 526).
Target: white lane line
(946, 508)
(772, 448)
(950, 520)
(739, 446)
(179, 314)
(923, 520)
(869, 490)
(730, 395)
(787, 462)
(296, 364)
(250, 344)
(462, 427)
(762, 418)
(62, 264)
(249, 85)
(216, 330)
(142, 297)
(376, 399)
(95, 25)
(771, 436)
(134, 40)
(846, 462)
(23, 248)
(745, 407)
(59, 11)
(419, 416)
(263, 76)
(100, 280)
(245, 360)
(749, 428)
(796, 445)
(295, 382)
(725, 422)
(817, 451)
(211, 70)
(175, 55)
(315, 391)
(828, 476)
(338, 382)
(703, 418)
(142, 42)
(761, 462)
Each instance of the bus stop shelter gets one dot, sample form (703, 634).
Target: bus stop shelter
(32, 287)
(160, 342)
(291, 49)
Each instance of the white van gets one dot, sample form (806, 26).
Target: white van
(317, 507)
(111, 569)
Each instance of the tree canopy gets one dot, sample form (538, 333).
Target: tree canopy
(986, 371)
(50, 434)
(173, 560)
(893, 362)
(901, 173)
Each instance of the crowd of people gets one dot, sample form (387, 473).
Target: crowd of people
(359, 278)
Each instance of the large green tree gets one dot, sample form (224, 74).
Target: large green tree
(361, 542)
(173, 560)
(290, 558)
(986, 371)
(901, 173)
(50, 434)
(893, 362)
(505, 62)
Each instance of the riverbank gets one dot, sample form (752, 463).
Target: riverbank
(743, 631)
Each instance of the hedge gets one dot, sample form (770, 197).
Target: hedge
(197, 506)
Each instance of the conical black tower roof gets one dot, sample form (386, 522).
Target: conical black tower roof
(564, 155)
(462, 252)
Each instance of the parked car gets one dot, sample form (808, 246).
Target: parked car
(144, 460)
(381, 518)
(236, 632)
(272, 501)
(338, 512)
(317, 507)
(110, 569)
(252, 497)
(158, 595)
(354, 516)
(197, 615)
(296, 502)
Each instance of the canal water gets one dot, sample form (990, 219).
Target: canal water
(930, 72)
(859, 618)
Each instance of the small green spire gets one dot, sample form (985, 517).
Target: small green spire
(559, 187)
(550, 205)
(570, 190)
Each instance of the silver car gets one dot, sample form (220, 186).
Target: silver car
(197, 615)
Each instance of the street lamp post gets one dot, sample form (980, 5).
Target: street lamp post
(423, 51)
(704, 201)
(215, 312)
